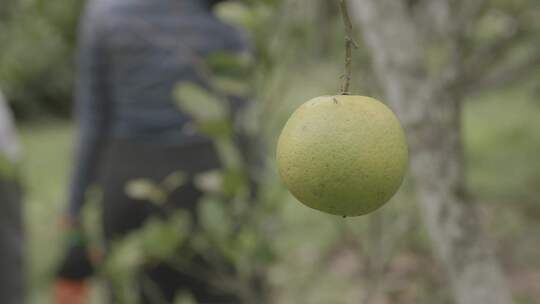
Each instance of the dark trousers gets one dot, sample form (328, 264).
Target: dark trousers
(125, 161)
(11, 244)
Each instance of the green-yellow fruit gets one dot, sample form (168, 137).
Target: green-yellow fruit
(344, 155)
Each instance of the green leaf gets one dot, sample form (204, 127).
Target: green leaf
(174, 181)
(232, 65)
(231, 86)
(209, 182)
(234, 12)
(229, 153)
(125, 258)
(184, 298)
(215, 219)
(234, 180)
(161, 238)
(198, 102)
(145, 189)
(216, 129)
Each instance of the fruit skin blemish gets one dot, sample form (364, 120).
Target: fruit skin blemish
(344, 155)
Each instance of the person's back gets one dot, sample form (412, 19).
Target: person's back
(147, 48)
(154, 45)
(132, 55)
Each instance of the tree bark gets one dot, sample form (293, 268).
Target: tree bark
(431, 115)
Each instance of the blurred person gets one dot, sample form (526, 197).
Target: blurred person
(11, 232)
(132, 55)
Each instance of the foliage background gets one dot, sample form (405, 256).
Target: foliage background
(38, 39)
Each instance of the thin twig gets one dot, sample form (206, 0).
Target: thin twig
(349, 43)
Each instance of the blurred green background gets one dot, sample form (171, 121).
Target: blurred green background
(319, 259)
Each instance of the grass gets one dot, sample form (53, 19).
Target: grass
(502, 146)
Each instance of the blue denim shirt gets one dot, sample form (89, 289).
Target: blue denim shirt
(132, 53)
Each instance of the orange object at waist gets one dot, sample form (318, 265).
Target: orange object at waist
(70, 292)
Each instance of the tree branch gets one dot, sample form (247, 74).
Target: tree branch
(481, 62)
(508, 74)
(349, 43)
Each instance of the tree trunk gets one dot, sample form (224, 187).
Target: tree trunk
(430, 113)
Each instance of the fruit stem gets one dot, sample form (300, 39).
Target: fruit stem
(349, 44)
